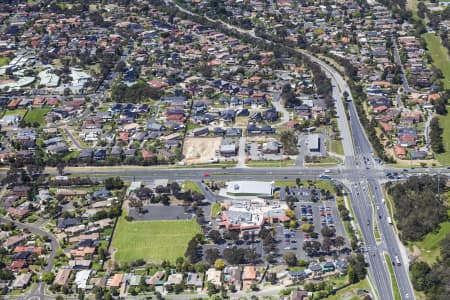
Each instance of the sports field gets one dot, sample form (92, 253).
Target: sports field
(152, 240)
(36, 116)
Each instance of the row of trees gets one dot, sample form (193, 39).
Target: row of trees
(436, 136)
(359, 97)
(136, 93)
(289, 141)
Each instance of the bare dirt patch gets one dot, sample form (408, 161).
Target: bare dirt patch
(200, 150)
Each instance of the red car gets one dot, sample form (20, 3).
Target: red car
(206, 175)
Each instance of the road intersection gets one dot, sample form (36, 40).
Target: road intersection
(361, 173)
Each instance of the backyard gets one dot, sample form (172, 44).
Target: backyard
(149, 240)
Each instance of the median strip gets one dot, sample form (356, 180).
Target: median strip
(394, 284)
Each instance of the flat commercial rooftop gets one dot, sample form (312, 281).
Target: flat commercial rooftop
(250, 188)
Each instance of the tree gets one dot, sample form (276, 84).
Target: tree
(343, 211)
(289, 213)
(144, 193)
(214, 235)
(136, 203)
(419, 271)
(200, 267)
(251, 256)
(6, 274)
(311, 247)
(307, 227)
(113, 183)
(178, 288)
(290, 258)
(356, 268)
(293, 224)
(328, 231)
(326, 244)
(211, 255)
(219, 264)
(436, 136)
(231, 235)
(339, 242)
(175, 187)
(418, 199)
(289, 141)
(60, 167)
(191, 251)
(211, 289)
(165, 200)
(270, 258)
(159, 189)
(120, 67)
(445, 243)
(48, 277)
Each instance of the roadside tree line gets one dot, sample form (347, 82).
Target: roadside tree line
(420, 205)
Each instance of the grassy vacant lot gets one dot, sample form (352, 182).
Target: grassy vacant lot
(393, 279)
(439, 55)
(152, 240)
(444, 122)
(270, 163)
(351, 292)
(325, 161)
(36, 115)
(4, 60)
(225, 164)
(320, 184)
(337, 147)
(215, 210)
(191, 185)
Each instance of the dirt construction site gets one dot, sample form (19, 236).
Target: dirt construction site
(200, 150)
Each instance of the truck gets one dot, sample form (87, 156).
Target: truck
(397, 261)
(389, 220)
